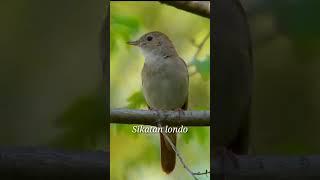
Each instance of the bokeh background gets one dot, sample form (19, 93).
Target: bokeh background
(137, 156)
(51, 91)
(286, 103)
(50, 74)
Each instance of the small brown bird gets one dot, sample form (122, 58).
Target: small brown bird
(165, 83)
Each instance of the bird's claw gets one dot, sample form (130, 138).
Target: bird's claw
(180, 111)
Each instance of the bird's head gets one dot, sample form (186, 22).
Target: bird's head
(155, 44)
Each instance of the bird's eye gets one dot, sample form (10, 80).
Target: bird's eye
(149, 38)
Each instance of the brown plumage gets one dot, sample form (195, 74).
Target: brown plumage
(168, 156)
(165, 84)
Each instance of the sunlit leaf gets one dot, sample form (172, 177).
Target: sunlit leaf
(186, 137)
(122, 27)
(130, 23)
(202, 135)
(124, 128)
(203, 67)
(136, 100)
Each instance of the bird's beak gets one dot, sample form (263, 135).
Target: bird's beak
(135, 43)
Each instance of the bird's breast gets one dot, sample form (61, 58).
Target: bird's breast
(165, 86)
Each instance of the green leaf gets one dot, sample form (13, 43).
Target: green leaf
(124, 128)
(203, 67)
(122, 27)
(136, 100)
(202, 135)
(186, 137)
(130, 23)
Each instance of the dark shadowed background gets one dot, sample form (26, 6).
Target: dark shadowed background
(286, 103)
(51, 74)
(286, 98)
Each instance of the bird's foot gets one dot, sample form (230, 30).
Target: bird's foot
(180, 111)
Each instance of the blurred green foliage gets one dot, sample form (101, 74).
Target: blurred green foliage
(139, 153)
(123, 26)
(299, 22)
(50, 72)
(286, 101)
(82, 124)
(136, 100)
(203, 67)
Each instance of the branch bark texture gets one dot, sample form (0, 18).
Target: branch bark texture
(22, 162)
(276, 166)
(18, 162)
(149, 117)
(195, 7)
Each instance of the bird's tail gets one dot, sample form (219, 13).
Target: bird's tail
(168, 155)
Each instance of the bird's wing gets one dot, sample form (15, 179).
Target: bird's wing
(143, 72)
(185, 105)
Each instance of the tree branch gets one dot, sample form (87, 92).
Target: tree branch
(21, 162)
(199, 48)
(25, 162)
(149, 117)
(195, 7)
(270, 166)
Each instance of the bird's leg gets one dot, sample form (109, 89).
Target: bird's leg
(180, 110)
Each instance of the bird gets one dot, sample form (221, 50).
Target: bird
(165, 84)
(233, 80)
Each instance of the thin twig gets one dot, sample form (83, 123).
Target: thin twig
(200, 46)
(178, 154)
(202, 173)
(194, 7)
